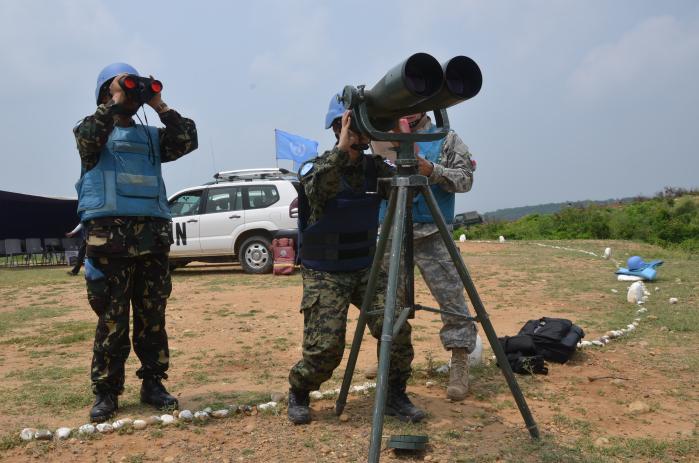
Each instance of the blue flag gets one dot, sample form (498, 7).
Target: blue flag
(294, 148)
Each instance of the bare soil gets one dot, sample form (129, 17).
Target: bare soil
(233, 338)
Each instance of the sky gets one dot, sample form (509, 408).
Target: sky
(580, 99)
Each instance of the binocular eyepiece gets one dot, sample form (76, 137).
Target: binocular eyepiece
(418, 84)
(140, 89)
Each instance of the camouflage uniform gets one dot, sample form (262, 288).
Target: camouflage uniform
(454, 173)
(132, 253)
(327, 295)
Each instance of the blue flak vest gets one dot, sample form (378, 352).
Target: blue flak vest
(432, 151)
(127, 180)
(344, 238)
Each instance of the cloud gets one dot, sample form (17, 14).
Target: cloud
(657, 54)
(45, 47)
(302, 42)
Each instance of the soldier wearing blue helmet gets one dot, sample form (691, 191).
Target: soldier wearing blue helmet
(338, 222)
(122, 204)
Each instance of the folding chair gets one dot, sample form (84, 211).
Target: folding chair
(34, 247)
(13, 249)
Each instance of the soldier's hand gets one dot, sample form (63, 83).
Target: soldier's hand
(424, 167)
(116, 91)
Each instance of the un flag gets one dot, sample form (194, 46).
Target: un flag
(294, 147)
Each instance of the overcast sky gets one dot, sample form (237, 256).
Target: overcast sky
(580, 99)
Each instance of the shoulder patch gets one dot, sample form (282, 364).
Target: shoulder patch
(305, 169)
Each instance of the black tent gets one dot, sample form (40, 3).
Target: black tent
(27, 216)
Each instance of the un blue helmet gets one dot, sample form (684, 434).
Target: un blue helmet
(635, 263)
(111, 71)
(335, 109)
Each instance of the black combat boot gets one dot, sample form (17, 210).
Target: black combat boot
(106, 404)
(154, 393)
(399, 405)
(298, 411)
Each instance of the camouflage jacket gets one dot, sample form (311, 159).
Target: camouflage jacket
(453, 173)
(130, 236)
(324, 181)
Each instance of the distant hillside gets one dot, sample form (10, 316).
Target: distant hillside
(669, 219)
(514, 213)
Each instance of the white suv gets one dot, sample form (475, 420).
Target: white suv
(234, 218)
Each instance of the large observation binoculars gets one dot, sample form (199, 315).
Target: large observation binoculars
(418, 84)
(140, 89)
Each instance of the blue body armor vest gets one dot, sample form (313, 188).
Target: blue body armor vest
(127, 180)
(344, 238)
(432, 151)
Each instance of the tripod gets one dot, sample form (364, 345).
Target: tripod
(399, 223)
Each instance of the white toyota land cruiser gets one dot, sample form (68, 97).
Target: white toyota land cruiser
(234, 218)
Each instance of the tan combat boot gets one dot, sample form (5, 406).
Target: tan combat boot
(458, 375)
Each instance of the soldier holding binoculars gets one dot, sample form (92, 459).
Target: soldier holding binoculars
(122, 202)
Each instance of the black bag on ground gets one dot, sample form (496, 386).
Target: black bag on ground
(522, 356)
(554, 338)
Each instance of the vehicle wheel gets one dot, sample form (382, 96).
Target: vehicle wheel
(255, 255)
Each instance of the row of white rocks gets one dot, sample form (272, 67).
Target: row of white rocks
(186, 416)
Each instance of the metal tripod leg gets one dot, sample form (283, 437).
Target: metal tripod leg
(480, 311)
(369, 295)
(397, 231)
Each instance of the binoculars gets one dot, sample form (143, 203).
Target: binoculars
(140, 89)
(418, 84)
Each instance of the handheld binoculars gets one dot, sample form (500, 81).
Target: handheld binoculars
(140, 89)
(418, 84)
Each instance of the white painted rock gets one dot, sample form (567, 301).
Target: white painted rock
(601, 442)
(43, 434)
(674, 300)
(208, 410)
(316, 395)
(167, 420)
(430, 384)
(462, 238)
(443, 370)
(139, 424)
(476, 357)
(614, 291)
(118, 424)
(27, 434)
(635, 292)
(597, 343)
(63, 433)
(86, 429)
(186, 415)
(201, 416)
(607, 253)
(267, 406)
(222, 413)
(501, 239)
(105, 428)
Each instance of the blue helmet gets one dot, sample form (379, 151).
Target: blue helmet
(635, 263)
(335, 109)
(110, 72)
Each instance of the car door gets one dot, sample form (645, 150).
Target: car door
(223, 214)
(185, 223)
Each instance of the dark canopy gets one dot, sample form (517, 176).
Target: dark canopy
(27, 216)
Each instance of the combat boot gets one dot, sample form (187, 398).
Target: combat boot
(154, 393)
(399, 405)
(298, 411)
(458, 375)
(105, 406)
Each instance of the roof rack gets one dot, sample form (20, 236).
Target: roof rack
(251, 174)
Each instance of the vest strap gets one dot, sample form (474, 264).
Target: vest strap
(311, 253)
(320, 239)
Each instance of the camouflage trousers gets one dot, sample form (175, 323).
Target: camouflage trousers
(325, 303)
(142, 282)
(431, 256)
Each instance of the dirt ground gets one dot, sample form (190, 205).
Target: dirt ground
(233, 338)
